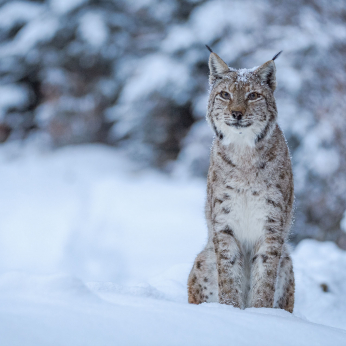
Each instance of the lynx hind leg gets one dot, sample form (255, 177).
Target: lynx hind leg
(285, 286)
(202, 282)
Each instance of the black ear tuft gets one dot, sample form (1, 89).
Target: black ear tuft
(277, 55)
(209, 49)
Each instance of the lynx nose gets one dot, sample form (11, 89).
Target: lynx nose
(237, 115)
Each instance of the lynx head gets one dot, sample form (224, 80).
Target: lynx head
(241, 107)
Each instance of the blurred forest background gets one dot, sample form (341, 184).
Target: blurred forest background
(134, 75)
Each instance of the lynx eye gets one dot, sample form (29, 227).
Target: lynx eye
(225, 95)
(253, 96)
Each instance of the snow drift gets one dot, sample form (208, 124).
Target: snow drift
(95, 252)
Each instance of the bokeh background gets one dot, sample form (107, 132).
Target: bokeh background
(94, 93)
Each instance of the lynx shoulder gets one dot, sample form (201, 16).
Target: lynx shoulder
(246, 262)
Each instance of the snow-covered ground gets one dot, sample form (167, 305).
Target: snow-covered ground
(94, 251)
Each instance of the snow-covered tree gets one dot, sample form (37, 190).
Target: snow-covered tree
(134, 74)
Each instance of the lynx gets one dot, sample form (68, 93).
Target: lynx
(246, 262)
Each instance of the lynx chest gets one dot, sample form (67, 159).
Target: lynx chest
(240, 203)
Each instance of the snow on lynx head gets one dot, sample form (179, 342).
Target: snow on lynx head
(241, 107)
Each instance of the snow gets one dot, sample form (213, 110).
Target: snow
(321, 282)
(200, 106)
(40, 30)
(326, 161)
(12, 96)
(244, 73)
(62, 311)
(191, 159)
(65, 6)
(85, 211)
(141, 64)
(157, 73)
(93, 29)
(94, 251)
(18, 12)
(211, 20)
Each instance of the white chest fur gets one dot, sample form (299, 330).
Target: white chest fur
(244, 212)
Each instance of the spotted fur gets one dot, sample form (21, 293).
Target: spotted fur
(246, 262)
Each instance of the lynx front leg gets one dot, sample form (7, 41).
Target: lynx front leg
(284, 292)
(202, 282)
(229, 261)
(264, 272)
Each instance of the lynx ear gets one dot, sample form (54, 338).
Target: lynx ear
(217, 65)
(267, 74)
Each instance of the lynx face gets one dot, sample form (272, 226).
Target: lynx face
(241, 103)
